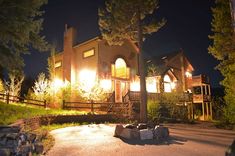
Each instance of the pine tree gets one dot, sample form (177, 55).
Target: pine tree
(223, 49)
(130, 20)
(20, 25)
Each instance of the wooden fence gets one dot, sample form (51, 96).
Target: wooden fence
(105, 107)
(10, 98)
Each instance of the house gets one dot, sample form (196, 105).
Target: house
(173, 72)
(116, 68)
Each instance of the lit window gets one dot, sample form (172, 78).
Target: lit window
(120, 69)
(58, 64)
(188, 74)
(151, 84)
(167, 84)
(89, 53)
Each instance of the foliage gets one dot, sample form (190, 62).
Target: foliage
(93, 93)
(153, 109)
(223, 49)
(11, 112)
(40, 87)
(13, 86)
(20, 26)
(119, 20)
(129, 20)
(167, 105)
(1, 86)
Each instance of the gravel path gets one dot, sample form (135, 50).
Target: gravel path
(98, 140)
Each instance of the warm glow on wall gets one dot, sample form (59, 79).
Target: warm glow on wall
(135, 86)
(57, 84)
(173, 85)
(106, 84)
(151, 84)
(188, 74)
(87, 79)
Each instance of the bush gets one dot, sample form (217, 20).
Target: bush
(167, 106)
(153, 109)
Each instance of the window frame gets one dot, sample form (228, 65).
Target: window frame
(83, 53)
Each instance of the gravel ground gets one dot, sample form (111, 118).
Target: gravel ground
(98, 140)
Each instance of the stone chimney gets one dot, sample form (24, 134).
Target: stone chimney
(68, 54)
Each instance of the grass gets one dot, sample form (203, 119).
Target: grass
(9, 113)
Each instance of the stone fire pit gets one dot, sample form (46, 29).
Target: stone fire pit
(141, 131)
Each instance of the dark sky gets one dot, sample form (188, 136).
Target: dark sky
(187, 28)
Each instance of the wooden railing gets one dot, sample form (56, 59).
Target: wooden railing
(105, 107)
(135, 96)
(10, 98)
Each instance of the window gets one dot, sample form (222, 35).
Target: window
(151, 84)
(58, 64)
(89, 53)
(120, 69)
(167, 84)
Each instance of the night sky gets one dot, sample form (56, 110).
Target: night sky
(187, 28)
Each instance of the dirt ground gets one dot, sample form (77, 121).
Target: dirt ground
(98, 140)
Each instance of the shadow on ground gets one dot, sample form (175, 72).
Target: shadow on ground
(168, 141)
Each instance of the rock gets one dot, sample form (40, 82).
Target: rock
(150, 124)
(130, 134)
(146, 134)
(9, 129)
(25, 149)
(12, 136)
(231, 150)
(5, 152)
(31, 137)
(142, 126)
(130, 126)
(161, 132)
(118, 130)
(38, 148)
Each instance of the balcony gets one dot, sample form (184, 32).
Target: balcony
(201, 98)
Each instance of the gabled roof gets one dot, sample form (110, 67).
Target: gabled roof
(161, 61)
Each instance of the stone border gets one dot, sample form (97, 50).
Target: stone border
(35, 122)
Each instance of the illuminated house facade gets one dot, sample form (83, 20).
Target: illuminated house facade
(173, 72)
(116, 68)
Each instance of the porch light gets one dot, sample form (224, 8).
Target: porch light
(57, 84)
(135, 86)
(106, 84)
(87, 79)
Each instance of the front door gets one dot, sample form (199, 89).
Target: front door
(118, 91)
(121, 88)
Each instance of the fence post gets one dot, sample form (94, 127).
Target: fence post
(45, 104)
(92, 107)
(8, 96)
(63, 104)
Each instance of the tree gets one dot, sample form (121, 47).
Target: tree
(41, 86)
(20, 25)
(128, 20)
(13, 86)
(223, 49)
(51, 64)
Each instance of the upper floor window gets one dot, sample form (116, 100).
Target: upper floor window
(89, 53)
(120, 69)
(58, 64)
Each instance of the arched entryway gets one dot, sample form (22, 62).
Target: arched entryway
(121, 76)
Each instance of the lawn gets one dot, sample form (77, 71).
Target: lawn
(9, 113)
